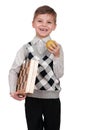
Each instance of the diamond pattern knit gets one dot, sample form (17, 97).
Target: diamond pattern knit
(46, 79)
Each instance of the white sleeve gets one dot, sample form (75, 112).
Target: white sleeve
(58, 64)
(13, 72)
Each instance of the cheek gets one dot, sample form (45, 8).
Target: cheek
(52, 27)
(35, 25)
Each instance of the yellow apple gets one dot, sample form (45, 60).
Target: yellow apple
(50, 43)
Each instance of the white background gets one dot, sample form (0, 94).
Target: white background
(16, 30)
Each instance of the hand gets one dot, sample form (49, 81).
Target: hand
(55, 50)
(17, 97)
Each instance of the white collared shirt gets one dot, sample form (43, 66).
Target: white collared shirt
(40, 44)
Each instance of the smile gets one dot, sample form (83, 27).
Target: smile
(43, 29)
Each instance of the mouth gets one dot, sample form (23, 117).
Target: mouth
(43, 29)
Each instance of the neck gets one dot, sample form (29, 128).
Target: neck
(42, 37)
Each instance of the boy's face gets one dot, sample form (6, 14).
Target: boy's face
(44, 24)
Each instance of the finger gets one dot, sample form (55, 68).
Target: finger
(54, 45)
(50, 51)
(51, 48)
(16, 96)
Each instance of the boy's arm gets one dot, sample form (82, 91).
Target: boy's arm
(58, 64)
(13, 72)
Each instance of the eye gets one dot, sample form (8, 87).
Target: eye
(39, 21)
(49, 22)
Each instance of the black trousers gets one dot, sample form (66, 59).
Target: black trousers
(42, 114)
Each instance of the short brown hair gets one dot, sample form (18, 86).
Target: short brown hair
(45, 10)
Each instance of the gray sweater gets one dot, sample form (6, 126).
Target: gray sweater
(58, 67)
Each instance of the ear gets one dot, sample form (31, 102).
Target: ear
(33, 24)
(54, 27)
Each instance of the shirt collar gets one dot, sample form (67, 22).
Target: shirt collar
(36, 39)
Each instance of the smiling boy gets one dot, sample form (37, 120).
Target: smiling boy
(43, 107)
(44, 25)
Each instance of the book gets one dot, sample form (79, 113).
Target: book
(27, 76)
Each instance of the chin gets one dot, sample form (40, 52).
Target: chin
(42, 36)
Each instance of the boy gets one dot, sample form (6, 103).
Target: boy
(42, 108)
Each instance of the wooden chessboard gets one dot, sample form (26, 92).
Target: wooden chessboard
(27, 76)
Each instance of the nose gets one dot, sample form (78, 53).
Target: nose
(44, 24)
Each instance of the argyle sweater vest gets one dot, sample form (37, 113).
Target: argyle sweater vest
(46, 79)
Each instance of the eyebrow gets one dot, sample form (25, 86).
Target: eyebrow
(47, 19)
